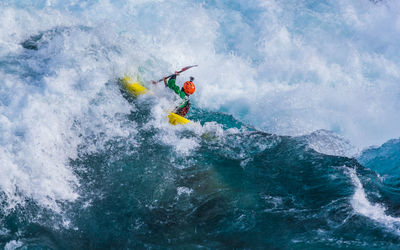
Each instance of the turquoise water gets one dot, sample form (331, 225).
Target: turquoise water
(291, 100)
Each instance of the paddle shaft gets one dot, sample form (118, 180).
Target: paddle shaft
(183, 69)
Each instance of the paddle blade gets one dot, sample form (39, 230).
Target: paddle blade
(186, 68)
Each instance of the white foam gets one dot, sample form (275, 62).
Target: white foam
(306, 76)
(184, 190)
(34, 152)
(376, 212)
(329, 143)
(12, 245)
(51, 100)
(288, 68)
(279, 65)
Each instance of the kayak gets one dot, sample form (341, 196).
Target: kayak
(135, 88)
(176, 119)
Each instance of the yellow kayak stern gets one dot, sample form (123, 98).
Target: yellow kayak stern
(175, 119)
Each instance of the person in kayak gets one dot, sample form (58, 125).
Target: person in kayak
(184, 93)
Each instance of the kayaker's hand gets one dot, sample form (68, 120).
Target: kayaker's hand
(176, 73)
(165, 80)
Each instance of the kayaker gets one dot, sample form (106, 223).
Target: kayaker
(184, 93)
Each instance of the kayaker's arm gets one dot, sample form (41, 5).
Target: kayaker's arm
(165, 81)
(171, 84)
(171, 77)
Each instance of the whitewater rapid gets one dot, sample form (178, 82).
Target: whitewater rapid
(287, 68)
(324, 71)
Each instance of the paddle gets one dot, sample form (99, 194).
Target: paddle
(183, 69)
